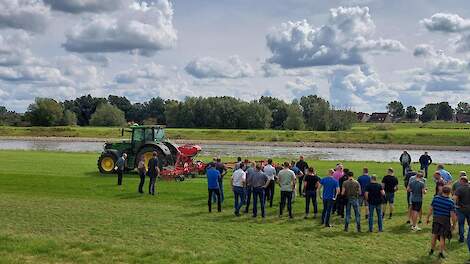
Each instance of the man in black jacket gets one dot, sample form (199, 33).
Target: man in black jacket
(405, 161)
(153, 172)
(302, 166)
(425, 160)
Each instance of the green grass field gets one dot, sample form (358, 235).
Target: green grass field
(439, 134)
(56, 208)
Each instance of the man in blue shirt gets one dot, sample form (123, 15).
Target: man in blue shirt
(213, 176)
(330, 191)
(364, 180)
(444, 174)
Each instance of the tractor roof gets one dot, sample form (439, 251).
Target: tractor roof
(146, 126)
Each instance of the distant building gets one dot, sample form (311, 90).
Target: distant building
(362, 117)
(380, 118)
(462, 118)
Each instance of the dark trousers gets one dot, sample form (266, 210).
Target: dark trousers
(119, 174)
(311, 196)
(425, 168)
(301, 180)
(153, 179)
(209, 202)
(258, 193)
(239, 197)
(221, 189)
(248, 192)
(142, 181)
(286, 196)
(270, 192)
(404, 166)
(327, 207)
(340, 205)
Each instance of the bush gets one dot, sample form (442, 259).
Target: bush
(107, 115)
(45, 112)
(70, 118)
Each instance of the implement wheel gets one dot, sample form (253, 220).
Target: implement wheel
(106, 163)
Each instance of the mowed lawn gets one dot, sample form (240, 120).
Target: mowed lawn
(55, 208)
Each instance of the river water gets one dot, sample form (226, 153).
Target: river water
(322, 153)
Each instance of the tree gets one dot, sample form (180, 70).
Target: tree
(122, 103)
(429, 113)
(9, 118)
(156, 109)
(395, 109)
(278, 108)
(107, 115)
(444, 111)
(316, 112)
(45, 112)
(84, 107)
(69, 119)
(341, 120)
(411, 113)
(255, 116)
(463, 108)
(295, 119)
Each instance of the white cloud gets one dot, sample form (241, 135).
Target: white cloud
(29, 15)
(302, 87)
(150, 71)
(81, 6)
(445, 22)
(208, 67)
(14, 48)
(138, 31)
(344, 40)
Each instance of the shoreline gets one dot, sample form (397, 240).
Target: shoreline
(260, 143)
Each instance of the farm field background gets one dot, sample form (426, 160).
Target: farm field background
(56, 208)
(434, 133)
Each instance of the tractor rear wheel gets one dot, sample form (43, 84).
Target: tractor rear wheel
(147, 153)
(106, 163)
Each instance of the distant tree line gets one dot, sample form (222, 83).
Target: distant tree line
(310, 112)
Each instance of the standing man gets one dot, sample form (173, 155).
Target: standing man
(442, 209)
(270, 172)
(444, 174)
(417, 188)
(440, 182)
(330, 192)
(220, 166)
(462, 200)
(213, 179)
(390, 185)
(120, 167)
(405, 161)
(260, 182)
(374, 194)
(250, 170)
(364, 180)
(425, 160)
(238, 184)
(153, 172)
(351, 191)
(302, 165)
(141, 169)
(341, 200)
(286, 178)
(311, 186)
(298, 173)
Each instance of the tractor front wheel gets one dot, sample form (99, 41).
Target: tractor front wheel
(106, 163)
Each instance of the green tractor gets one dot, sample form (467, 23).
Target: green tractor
(144, 141)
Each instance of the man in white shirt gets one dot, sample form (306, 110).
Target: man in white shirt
(238, 185)
(270, 171)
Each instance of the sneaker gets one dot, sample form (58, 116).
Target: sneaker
(441, 256)
(408, 222)
(413, 228)
(419, 222)
(329, 226)
(417, 228)
(431, 252)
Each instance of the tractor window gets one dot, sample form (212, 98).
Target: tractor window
(159, 134)
(138, 135)
(148, 134)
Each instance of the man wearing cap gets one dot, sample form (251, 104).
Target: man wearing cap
(303, 166)
(462, 200)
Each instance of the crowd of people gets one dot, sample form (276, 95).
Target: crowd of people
(253, 184)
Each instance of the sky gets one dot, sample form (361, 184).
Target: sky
(358, 54)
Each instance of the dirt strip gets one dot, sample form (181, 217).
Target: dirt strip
(262, 143)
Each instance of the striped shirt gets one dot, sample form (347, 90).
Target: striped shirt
(442, 206)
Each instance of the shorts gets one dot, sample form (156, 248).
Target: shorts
(416, 206)
(363, 201)
(441, 226)
(389, 198)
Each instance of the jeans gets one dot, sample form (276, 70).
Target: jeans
(142, 181)
(301, 179)
(404, 166)
(286, 196)
(119, 174)
(327, 208)
(425, 168)
(209, 202)
(378, 209)
(462, 217)
(239, 195)
(311, 196)
(221, 190)
(153, 179)
(248, 192)
(354, 203)
(270, 192)
(258, 192)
